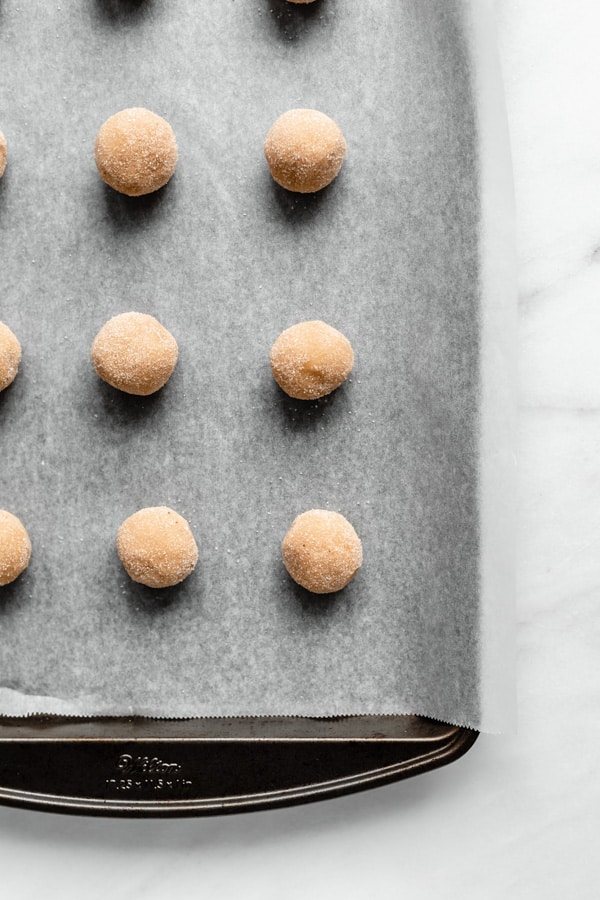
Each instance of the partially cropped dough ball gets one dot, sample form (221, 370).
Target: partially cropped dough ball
(322, 552)
(3, 151)
(10, 356)
(134, 353)
(310, 360)
(136, 151)
(157, 547)
(305, 150)
(301, 1)
(15, 547)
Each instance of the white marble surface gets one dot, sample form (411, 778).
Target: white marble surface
(519, 815)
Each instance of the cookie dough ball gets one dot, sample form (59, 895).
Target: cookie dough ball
(157, 547)
(305, 150)
(301, 1)
(3, 151)
(321, 551)
(15, 547)
(10, 356)
(136, 152)
(134, 353)
(310, 360)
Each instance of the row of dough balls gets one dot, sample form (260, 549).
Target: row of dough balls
(135, 354)
(321, 551)
(136, 151)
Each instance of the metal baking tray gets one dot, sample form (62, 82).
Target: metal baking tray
(173, 767)
(153, 767)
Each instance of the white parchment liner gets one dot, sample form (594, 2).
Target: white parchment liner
(409, 253)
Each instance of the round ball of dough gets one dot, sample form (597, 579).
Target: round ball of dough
(157, 547)
(305, 150)
(134, 353)
(3, 152)
(136, 151)
(310, 360)
(301, 1)
(10, 356)
(322, 552)
(15, 547)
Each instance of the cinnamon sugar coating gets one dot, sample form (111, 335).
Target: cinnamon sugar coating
(157, 547)
(3, 152)
(10, 356)
(322, 552)
(136, 152)
(310, 360)
(15, 547)
(305, 150)
(134, 353)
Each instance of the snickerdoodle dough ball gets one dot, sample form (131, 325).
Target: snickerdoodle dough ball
(322, 552)
(136, 151)
(305, 150)
(157, 547)
(134, 353)
(3, 152)
(10, 356)
(15, 547)
(310, 360)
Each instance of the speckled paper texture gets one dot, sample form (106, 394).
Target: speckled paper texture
(390, 254)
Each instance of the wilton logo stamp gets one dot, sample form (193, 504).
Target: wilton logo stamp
(143, 773)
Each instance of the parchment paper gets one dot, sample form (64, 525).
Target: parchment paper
(395, 254)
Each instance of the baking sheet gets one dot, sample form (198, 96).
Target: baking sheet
(392, 254)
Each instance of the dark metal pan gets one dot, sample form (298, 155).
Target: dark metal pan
(152, 767)
(403, 225)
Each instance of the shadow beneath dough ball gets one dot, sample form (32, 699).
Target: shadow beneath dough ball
(121, 12)
(153, 602)
(115, 409)
(297, 209)
(128, 214)
(8, 399)
(307, 415)
(16, 595)
(318, 608)
(292, 21)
